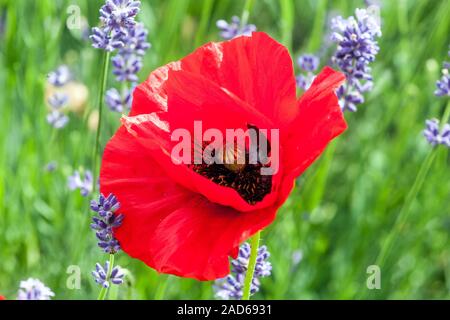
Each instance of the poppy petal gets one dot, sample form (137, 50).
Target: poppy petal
(150, 95)
(320, 119)
(256, 68)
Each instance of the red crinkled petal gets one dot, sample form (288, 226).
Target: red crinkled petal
(257, 69)
(320, 119)
(170, 228)
(150, 95)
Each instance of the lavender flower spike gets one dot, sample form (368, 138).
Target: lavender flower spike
(33, 289)
(101, 277)
(231, 287)
(233, 29)
(106, 221)
(357, 47)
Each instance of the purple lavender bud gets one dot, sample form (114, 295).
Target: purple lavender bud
(443, 85)
(231, 287)
(126, 67)
(349, 98)
(57, 100)
(59, 77)
(57, 119)
(118, 102)
(34, 289)
(119, 14)
(136, 41)
(100, 275)
(434, 135)
(308, 62)
(104, 40)
(233, 29)
(431, 132)
(85, 185)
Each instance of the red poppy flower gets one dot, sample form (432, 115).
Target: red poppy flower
(187, 220)
(2, 298)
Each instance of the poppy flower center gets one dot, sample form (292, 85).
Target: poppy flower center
(243, 176)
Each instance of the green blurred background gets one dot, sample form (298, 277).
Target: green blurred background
(343, 208)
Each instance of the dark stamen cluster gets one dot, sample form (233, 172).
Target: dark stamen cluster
(248, 182)
(245, 179)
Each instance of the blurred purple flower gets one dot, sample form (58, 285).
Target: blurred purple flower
(85, 185)
(304, 81)
(231, 287)
(57, 119)
(59, 77)
(106, 221)
(58, 100)
(34, 289)
(434, 135)
(51, 166)
(233, 29)
(356, 49)
(101, 277)
(443, 85)
(118, 102)
(297, 257)
(308, 62)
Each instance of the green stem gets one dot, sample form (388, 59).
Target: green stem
(162, 286)
(104, 291)
(101, 93)
(246, 13)
(251, 266)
